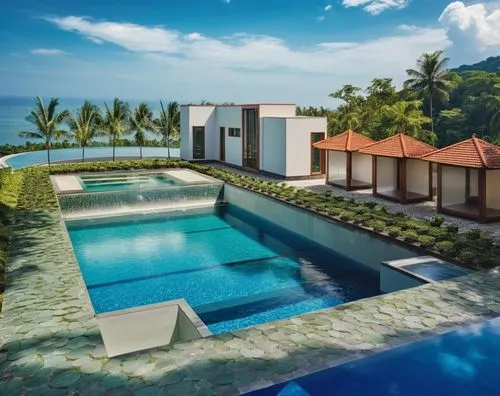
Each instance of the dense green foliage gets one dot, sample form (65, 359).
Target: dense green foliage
(492, 65)
(437, 106)
(471, 248)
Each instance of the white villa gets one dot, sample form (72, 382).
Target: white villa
(268, 138)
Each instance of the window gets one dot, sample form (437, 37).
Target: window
(234, 132)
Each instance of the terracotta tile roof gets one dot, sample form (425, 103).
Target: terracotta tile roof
(346, 141)
(470, 153)
(398, 146)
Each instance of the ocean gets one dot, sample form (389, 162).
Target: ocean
(14, 109)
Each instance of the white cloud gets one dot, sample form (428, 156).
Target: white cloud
(260, 52)
(47, 51)
(328, 7)
(321, 18)
(474, 20)
(474, 30)
(376, 7)
(131, 36)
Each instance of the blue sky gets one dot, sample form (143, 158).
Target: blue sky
(237, 50)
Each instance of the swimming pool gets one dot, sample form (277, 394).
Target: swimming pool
(23, 160)
(234, 268)
(125, 181)
(460, 363)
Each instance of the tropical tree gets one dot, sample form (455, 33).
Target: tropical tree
(450, 126)
(431, 80)
(168, 123)
(47, 122)
(116, 121)
(84, 127)
(409, 118)
(493, 104)
(141, 120)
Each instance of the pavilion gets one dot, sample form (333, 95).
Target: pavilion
(398, 172)
(345, 167)
(468, 179)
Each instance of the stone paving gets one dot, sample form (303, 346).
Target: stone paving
(50, 343)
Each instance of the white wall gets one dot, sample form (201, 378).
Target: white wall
(362, 165)
(453, 185)
(337, 169)
(273, 145)
(417, 176)
(343, 240)
(276, 110)
(386, 174)
(192, 116)
(298, 143)
(493, 189)
(230, 117)
(186, 136)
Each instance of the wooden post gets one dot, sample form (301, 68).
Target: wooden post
(482, 195)
(431, 196)
(374, 174)
(348, 170)
(327, 153)
(402, 175)
(467, 184)
(440, 188)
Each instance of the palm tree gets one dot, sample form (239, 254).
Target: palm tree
(407, 117)
(116, 121)
(141, 121)
(85, 126)
(168, 123)
(47, 122)
(432, 80)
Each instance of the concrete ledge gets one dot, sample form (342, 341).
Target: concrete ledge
(149, 326)
(64, 184)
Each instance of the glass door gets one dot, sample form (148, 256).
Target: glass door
(222, 147)
(250, 139)
(317, 156)
(198, 142)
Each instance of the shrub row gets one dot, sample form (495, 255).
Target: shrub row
(472, 248)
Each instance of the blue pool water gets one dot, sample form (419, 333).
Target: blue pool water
(233, 268)
(40, 157)
(125, 181)
(464, 362)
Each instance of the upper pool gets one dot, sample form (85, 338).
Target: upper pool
(125, 181)
(24, 160)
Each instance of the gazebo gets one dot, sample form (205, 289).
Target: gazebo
(345, 167)
(398, 172)
(468, 179)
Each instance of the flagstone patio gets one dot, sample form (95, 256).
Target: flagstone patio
(50, 343)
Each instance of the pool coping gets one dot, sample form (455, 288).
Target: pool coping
(231, 363)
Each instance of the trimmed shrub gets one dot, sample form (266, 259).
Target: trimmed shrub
(446, 247)
(473, 234)
(394, 231)
(436, 221)
(410, 236)
(426, 241)
(452, 229)
(370, 204)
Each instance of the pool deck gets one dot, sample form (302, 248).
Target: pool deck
(50, 341)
